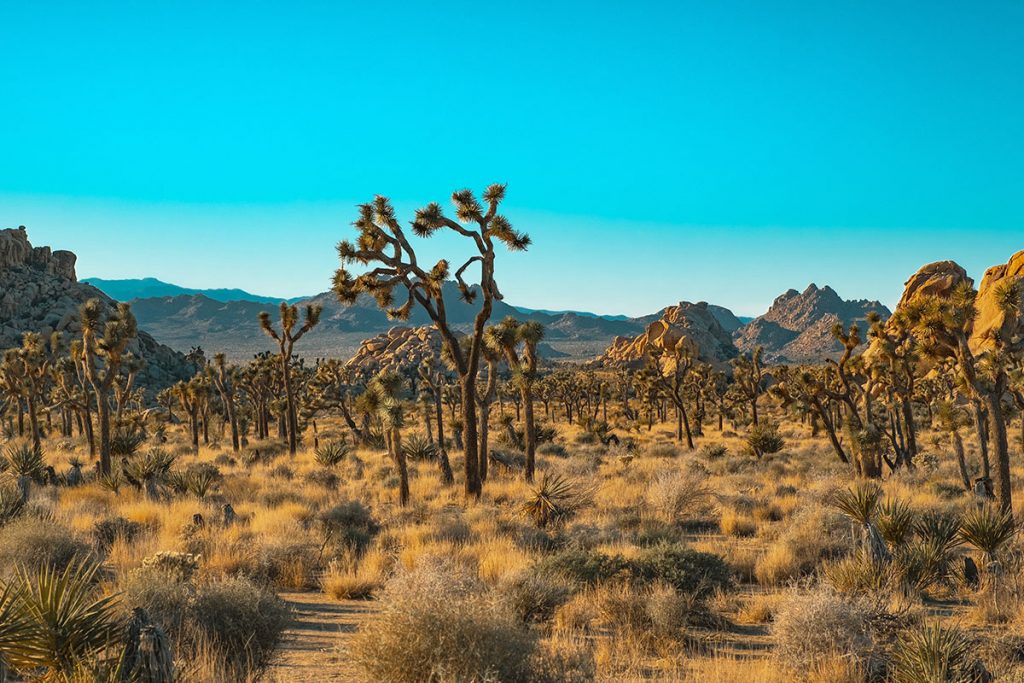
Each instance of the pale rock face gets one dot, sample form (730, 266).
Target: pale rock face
(935, 279)
(991, 316)
(39, 292)
(696, 322)
(400, 349)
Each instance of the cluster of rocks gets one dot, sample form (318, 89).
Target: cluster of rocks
(798, 326)
(400, 349)
(696, 322)
(39, 292)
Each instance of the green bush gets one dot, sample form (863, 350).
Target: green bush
(36, 543)
(244, 620)
(686, 570)
(764, 439)
(582, 567)
(532, 596)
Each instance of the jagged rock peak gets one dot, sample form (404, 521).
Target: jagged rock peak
(17, 252)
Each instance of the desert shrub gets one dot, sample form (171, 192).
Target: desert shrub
(323, 478)
(812, 534)
(582, 567)
(676, 495)
(533, 596)
(106, 531)
(344, 583)
(287, 564)
(35, 543)
(244, 620)
(933, 654)
(165, 595)
(12, 503)
(764, 439)
(685, 569)
(181, 566)
(282, 471)
(661, 450)
(348, 525)
(812, 627)
(331, 453)
(714, 451)
(552, 449)
(436, 624)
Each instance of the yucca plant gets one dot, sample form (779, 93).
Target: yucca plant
(201, 481)
(331, 453)
(126, 440)
(25, 461)
(418, 447)
(895, 522)
(66, 621)
(12, 502)
(988, 529)
(15, 631)
(932, 654)
(860, 504)
(554, 499)
(111, 482)
(940, 531)
(177, 481)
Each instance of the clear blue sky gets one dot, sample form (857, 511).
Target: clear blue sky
(722, 150)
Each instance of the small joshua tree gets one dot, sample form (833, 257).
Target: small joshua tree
(748, 375)
(225, 378)
(384, 247)
(104, 347)
(506, 338)
(286, 339)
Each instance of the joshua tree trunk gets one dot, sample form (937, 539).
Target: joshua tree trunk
(230, 405)
(958, 448)
(485, 421)
(531, 431)
(395, 442)
(103, 414)
(979, 420)
(1000, 447)
(33, 420)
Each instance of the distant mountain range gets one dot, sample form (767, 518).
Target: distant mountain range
(797, 328)
(150, 287)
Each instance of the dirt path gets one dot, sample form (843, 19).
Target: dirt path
(313, 648)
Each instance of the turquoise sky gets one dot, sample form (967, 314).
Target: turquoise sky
(721, 150)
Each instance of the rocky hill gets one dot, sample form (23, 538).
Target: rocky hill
(150, 287)
(39, 292)
(185, 321)
(798, 326)
(697, 322)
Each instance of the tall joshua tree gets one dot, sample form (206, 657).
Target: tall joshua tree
(506, 337)
(104, 347)
(225, 377)
(944, 327)
(286, 339)
(670, 369)
(383, 244)
(748, 375)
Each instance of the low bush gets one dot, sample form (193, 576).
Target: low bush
(685, 569)
(35, 543)
(437, 624)
(812, 627)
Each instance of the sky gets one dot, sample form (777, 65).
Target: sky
(655, 151)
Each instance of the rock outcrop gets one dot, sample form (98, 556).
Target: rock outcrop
(400, 349)
(39, 292)
(992, 317)
(697, 322)
(798, 326)
(935, 279)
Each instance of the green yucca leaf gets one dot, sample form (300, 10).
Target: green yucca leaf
(64, 619)
(987, 528)
(859, 503)
(932, 654)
